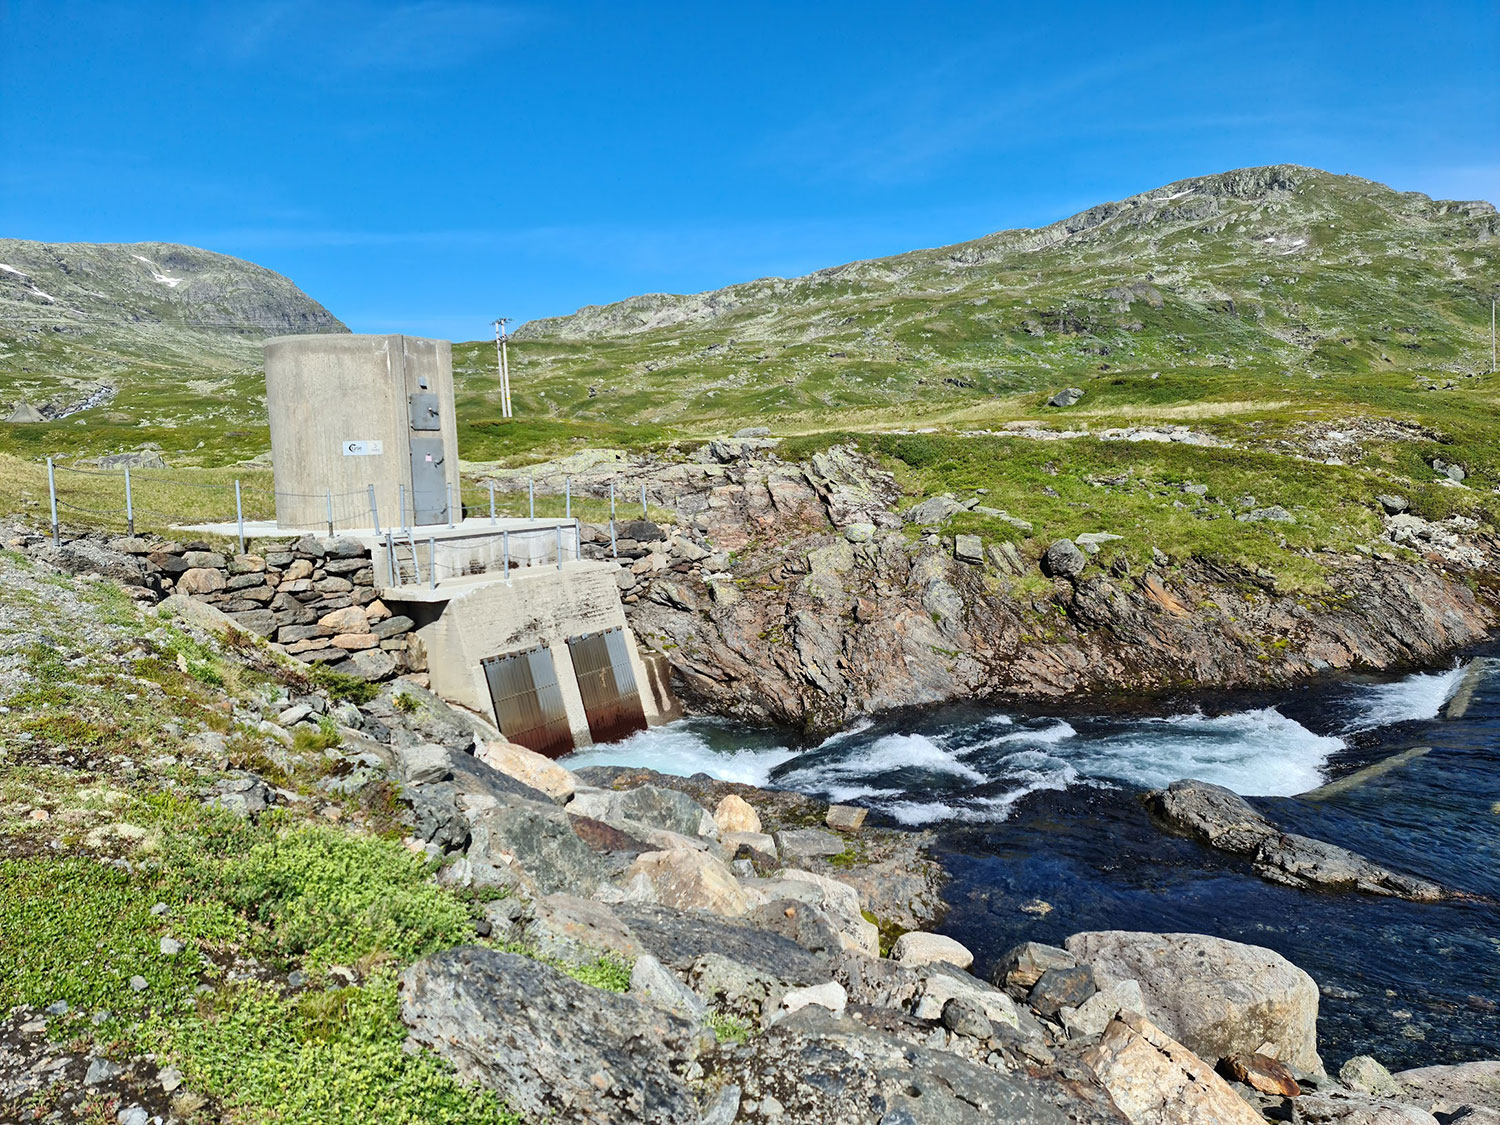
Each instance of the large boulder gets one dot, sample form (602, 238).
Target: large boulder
(686, 879)
(570, 928)
(1155, 1080)
(551, 1047)
(1224, 820)
(735, 814)
(536, 838)
(662, 808)
(1217, 997)
(1443, 1089)
(839, 901)
(815, 1066)
(680, 940)
(529, 768)
(1210, 814)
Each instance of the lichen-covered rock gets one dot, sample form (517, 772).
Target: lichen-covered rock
(659, 807)
(918, 948)
(686, 879)
(1217, 997)
(529, 767)
(538, 839)
(550, 1046)
(815, 1067)
(1155, 1080)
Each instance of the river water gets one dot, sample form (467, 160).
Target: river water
(1040, 825)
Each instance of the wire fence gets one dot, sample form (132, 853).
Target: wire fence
(125, 498)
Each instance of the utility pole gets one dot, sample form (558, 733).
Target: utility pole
(1492, 335)
(502, 362)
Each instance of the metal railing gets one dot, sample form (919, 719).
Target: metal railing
(414, 559)
(141, 493)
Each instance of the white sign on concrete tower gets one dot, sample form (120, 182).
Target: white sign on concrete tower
(361, 448)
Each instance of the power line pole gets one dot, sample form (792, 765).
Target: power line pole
(502, 362)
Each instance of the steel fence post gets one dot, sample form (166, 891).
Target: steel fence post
(130, 508)
(374, 511)
(239, 512)
(52, 492)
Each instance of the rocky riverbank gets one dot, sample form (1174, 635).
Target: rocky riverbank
(804, 594)
(240, 891)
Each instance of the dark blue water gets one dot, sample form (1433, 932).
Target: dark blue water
(1041, 826)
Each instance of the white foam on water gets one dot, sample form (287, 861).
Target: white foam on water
(1059, 731)
(678, 748)
(839, 794)
(886, 754)
(1254, 753)
(915, 813)
(1411, 699)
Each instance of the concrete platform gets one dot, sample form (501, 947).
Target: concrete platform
(474, 525)
(475, 547)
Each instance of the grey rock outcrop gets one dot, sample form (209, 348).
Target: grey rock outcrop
(1218, 998)
(816, 1067)
(1222, 819)
(1064, 560)
(548, 1044)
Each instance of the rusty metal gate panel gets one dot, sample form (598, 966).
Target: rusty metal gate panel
(601, 661)
(528, 702)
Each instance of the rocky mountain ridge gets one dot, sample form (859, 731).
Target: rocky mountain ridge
(167, 327)
(1287, 197)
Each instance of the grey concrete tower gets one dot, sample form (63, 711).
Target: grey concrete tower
(351, 412)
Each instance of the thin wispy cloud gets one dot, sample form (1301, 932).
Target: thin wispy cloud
(364, 35)
(975, 99)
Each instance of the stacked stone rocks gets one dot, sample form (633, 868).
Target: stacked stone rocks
(313, 598)
(646, 551)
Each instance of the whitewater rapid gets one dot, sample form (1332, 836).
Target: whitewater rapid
(976, 767)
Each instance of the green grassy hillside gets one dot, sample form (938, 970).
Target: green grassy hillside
(1234, 300)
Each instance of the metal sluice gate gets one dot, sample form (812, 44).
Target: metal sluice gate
(528, 699)
(611, 700)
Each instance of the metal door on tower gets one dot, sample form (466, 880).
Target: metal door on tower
(429, 481)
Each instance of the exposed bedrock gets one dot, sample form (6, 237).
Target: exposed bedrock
(802, 595)
(1224, 820)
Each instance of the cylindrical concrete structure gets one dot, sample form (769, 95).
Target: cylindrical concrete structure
(354, 413)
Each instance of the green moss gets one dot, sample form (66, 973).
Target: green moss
(340, 687)
(727, 1028)
(321, 1057)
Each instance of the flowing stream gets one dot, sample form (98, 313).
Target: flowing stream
(1038, 821)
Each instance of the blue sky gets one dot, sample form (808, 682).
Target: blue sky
(424, 167)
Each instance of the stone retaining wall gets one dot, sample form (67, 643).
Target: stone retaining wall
(313, 598)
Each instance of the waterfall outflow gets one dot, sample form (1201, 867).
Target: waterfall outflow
(976, 768)
(1411, 699)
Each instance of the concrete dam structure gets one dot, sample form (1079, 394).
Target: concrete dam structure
(512, 623)
(360, 426)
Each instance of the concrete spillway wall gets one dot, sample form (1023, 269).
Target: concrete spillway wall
(548, 654)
